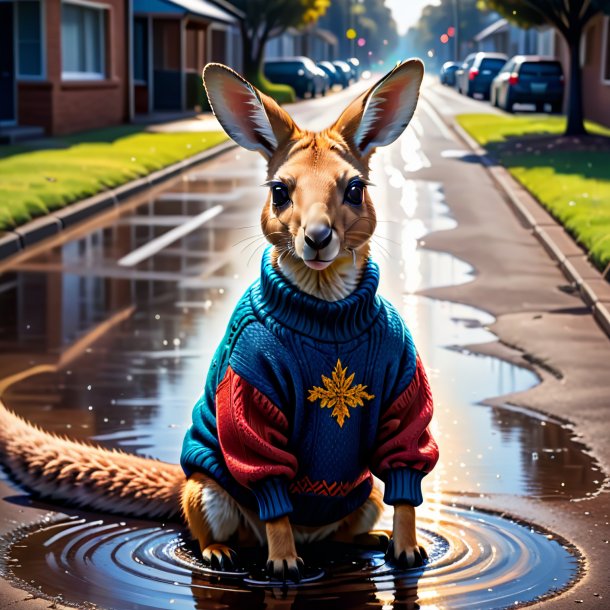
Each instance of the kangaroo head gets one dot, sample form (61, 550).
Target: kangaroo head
(318, 213)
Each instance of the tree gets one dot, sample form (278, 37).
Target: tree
(371, 19)
(569, 18)
(260, 19)
(436, 19)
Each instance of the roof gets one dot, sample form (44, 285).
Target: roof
(522, 58)
(326, 36)
(497, 26)
(201, 8)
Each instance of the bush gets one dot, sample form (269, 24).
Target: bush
(282, 94)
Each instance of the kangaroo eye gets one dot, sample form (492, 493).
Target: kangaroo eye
(354, 193)
(280, 195)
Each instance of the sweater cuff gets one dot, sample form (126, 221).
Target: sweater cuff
(404, 485)
(272, 497)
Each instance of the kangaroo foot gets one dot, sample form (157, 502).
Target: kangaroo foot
(219, 557)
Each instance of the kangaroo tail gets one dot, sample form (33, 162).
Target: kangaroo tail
(86, 475)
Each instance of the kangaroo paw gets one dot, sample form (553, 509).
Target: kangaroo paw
(291, 568)
(407, 557)
(219, 557)
(377, 539)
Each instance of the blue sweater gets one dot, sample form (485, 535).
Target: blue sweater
(304, 398)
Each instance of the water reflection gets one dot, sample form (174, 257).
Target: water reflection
(476, 561)
(131, 352)
(127, 351)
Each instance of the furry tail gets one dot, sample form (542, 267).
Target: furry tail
(86, 475)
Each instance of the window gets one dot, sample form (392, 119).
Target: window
(140, 50)
(29, 39)
(83, 37)
(606, 53)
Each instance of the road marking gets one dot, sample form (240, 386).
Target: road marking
(156, 245)
(203, 197)
(435, 117)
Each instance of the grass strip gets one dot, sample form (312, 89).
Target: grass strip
(570, 177)
(36, 182)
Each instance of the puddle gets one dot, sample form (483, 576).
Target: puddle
(477, 560)
(129, 381)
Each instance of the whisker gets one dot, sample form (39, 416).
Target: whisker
(252, 242)
(244, 239)
(378, 237)
(383, 249)
(253, 253)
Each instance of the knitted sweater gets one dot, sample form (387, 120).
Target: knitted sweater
(306, 398)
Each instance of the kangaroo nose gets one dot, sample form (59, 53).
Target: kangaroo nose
(318, 236)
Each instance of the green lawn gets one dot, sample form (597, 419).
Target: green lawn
(35, 182)
(570, 178)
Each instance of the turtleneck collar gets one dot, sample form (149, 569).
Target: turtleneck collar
(324, 320)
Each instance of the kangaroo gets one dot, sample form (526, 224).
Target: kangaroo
(316, 386)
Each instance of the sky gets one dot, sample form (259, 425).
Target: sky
(407, 12)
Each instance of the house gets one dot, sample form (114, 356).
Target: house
(63, 64)
(595, 62)
(314, 42)
(172, 41)
(504, 37)
(72, 65)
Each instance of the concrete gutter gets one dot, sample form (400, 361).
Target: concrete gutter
(559, 245)
(15, 241)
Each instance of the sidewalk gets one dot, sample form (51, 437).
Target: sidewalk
(541, 323)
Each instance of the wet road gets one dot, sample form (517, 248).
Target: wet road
(125, 319)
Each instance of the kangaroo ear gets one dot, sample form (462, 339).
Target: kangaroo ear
(382, 113)
(251, 118)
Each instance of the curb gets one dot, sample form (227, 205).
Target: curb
(15, 241)
(559, 245)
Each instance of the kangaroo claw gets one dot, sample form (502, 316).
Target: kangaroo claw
(219, 557)
(286, 569)
(410, 557)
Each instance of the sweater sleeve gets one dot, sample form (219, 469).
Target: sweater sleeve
(253, 430)
(405, 450)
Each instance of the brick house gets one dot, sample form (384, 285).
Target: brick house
(68, 65)
(594, 56)
(595, 61)
(64, 64)
(173, 40)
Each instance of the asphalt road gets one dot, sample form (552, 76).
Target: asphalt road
(127, 310)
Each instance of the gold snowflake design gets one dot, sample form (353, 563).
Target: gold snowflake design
(338, 394)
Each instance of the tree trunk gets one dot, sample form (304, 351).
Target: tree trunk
(576, 124)
(253, 53)
(247, 50)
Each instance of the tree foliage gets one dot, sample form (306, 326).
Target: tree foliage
(265, 17)
(464, 15)
(371, 19)
(569, 18)
(566, 16)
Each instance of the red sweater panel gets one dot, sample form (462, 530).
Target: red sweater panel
(404, 438)
(252, 433)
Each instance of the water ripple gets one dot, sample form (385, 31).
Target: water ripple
(477, 560)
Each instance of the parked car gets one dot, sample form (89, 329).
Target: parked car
(322, 80)
(298, 72)
(331, 71)
(476, 73)
(529, 79)
(354, 64)
(345, 71)
(447, 74)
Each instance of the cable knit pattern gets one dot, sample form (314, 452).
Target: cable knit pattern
(252, 435)
(305, 397)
